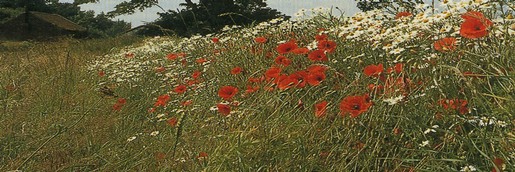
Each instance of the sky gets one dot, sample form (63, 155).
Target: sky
(288, 7)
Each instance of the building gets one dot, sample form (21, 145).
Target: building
(39, 26)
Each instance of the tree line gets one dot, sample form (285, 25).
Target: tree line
(98, 25)
(202, 17)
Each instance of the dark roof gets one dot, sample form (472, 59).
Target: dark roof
(58, 21)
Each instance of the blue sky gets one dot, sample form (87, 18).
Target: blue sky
(288, 7)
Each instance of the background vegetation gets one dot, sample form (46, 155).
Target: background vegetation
(98, 25)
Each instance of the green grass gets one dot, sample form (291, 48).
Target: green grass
(52, 116)
(55, 119)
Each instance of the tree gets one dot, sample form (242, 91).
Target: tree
(391, 6)
(98, 25)
(206, 16)
(210, 16)
(125, 7)
(12, 8)
(371, 5)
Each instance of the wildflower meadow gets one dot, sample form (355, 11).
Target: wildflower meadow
(431, 89)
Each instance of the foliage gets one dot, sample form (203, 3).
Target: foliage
(206, 16)
(8, 13)
(366, 5)
(126, 7)
(98, 25)
(209, 16)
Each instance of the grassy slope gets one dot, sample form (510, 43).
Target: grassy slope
(56, 120)
(52, 117)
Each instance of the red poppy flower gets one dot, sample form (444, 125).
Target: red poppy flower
(117, 107)
(397, 131)
(268, 88)
(224, 109)
(215, 40)
(314, 79)
(187, 102)
(172, 56)
(445, 44)
(201, 60)
(217, 52)
(475, 15)
(160, 156)
(121, 101)
(327, 45)
(323, 155)
(236, 70)
(375, 88)
(446, 104)
(300, 51)
(180, 89)
(196, 74)
(129, 55)
(202, 155)
(499, 163)
(101, 73)
(162, 100)
(272, 73)
(251, 89)
(374, 70)
(475, 26)
(160, 69)
(282, 60)
(192, 82)
(473, 29)
(460, 105)
(359, 145)
(287, 47)
(320, 109)
(256, 80)
(181, 54)
(227, 92)
(321, 37)
(316, 68)
(184, 62)
(318, 55)
(261, 40)
(355, 105)
(280, 78)
(287, 82)
(403, 14)
(300, 77)
(463, 109)
(172, 121)
(398, 67)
